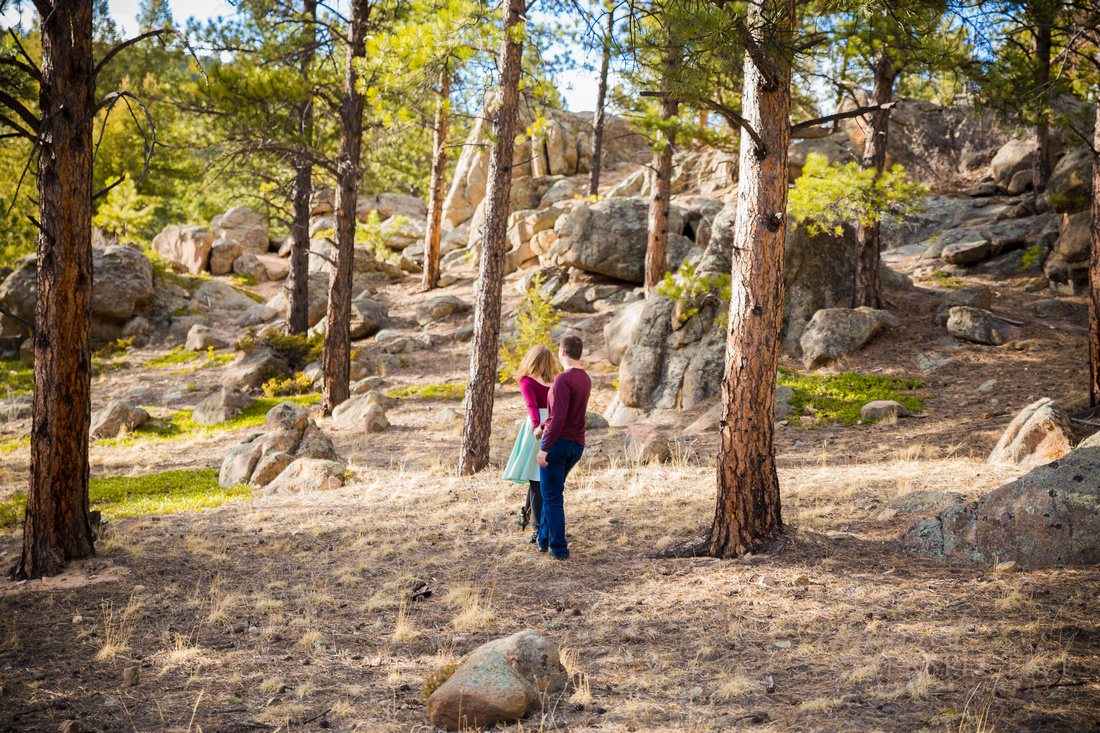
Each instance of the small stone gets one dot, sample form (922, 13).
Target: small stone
(987, 386)
(930, 361)
(1007, 567)
(139, 588)
(768, 581)
(886, 515)
(71, 726)
(78, 619)
(334, 483)
(883, 410)
(131, 676)
(613, 520)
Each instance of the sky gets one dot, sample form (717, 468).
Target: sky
(577, 87)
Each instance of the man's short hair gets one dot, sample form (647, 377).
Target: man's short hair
(572, 345)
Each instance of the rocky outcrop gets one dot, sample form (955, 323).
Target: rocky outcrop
(252, 370)
(1014, 157)
(243, 226)
(290, 434)
(305, 475)
(221, 300)
(440, 307)
(1068, 265)
(1046, 518)
(220, 406)
(837, 332)
(619, 331)
(818, 273)
(979, 326)
(1069, 189)
(188, 246)
(499, 681)
(115, 418)
(1038, 435)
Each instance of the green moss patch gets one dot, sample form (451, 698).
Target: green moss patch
(449, 391)
(180, 426)
(156, 493)
(178, 355)
(839, 397)
(15, 378)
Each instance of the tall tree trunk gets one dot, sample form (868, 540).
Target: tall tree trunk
(483, 353)
(1094, 271)
(1040, 162)
(336, 358)
(298, 280)
(747, 510)
(57, 528)
(656, 252)
(439, 172)
(601, 100)
(868, 289)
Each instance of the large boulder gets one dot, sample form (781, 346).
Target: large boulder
(222, 255)
(220, 406)
(188, 246)
(253, 370)
(834, 333)
(114, 418)
(440, 307)
(1068, 265)
(1046, 518)
(399, 232)
(1013, 157)
(289, 435)
(388, 205)
(220, 299)
(979, 326)
(318, 299)
(818, 272)
(201, 338)
(303, 475)
(499, 681)
(1038, 435)
(243, 226)
(609, 238)
(619, 332)
(1069, 189)
(646, 444)
(971, 296)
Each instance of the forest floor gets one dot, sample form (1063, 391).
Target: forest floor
(298, 613)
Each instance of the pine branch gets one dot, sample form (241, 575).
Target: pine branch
(858, 112)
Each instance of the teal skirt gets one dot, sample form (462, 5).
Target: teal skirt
(523, 466)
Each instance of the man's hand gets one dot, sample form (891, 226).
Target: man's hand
(542, 458)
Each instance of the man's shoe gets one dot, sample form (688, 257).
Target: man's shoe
(559, 559)
(544, 549)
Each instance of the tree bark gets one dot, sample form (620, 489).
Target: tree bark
(656, 252)
(747, 511)
(439, 172)
(298, 280)
(483, 354)
(57, 527)
(868, 288)
(601, 99)
(1094, 271)
(1040, 162)
(336, 358)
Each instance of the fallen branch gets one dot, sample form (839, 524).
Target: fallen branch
(1079, 421)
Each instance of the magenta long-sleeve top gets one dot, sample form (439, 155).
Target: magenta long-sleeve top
(536, 397)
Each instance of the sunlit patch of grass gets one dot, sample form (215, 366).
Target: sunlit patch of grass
(156, 493)
(178, 355)
(10, 446)
(449, 391)
(839, 397)
(15, 377)
(212, 360)
(179, 425)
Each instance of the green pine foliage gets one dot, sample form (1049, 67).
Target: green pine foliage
(535, 321)
(692, 289)
(829, 195)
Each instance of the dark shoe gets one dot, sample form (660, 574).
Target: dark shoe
(523, 518)
(534, 538)
(544, 549)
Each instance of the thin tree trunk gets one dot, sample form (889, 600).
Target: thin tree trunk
(1094, 271)
(601, 98)
(1040, 162)
(439, 172)
(868, 289)
(483, 353)
(747, 510)
(298, 280)
(656, 252)
(57, 527)
(336, 358)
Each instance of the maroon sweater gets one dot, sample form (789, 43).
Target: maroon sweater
(568, 404)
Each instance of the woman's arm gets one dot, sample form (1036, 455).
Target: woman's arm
(527, 389)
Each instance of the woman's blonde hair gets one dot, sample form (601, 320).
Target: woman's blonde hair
(539, 363)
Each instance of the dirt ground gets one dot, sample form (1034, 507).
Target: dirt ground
(298, 613)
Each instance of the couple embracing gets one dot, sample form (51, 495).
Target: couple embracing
(551, 440)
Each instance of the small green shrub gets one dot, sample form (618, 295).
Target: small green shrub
(449, 391)
(370, 234)
(15, 378)
(1029, 257)
(297, 350)
(692, 289)
(119, 346)
(157, 493)
(944, 280)
(839, 397)
(437, 677)
(284, 387)
(534, 322)
(245, 279)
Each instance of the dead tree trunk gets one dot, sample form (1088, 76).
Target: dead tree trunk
(868, 288)
(747, 510)
(439, 172)
(298, 280)
(656, 252)
(601, 100)
(57, 528)
(1040, 162)
(336, 358)
(1094, 272)
(483, 353)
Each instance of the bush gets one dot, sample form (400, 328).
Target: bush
(534, 323)
(297, 350)
(692, 290)
(280, 387)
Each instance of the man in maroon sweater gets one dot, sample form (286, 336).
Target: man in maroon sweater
(562, 444)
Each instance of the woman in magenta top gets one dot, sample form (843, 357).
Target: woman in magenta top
(536, 373)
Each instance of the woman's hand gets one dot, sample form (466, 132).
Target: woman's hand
(538, 433)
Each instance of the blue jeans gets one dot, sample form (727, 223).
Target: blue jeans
(561, 458)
